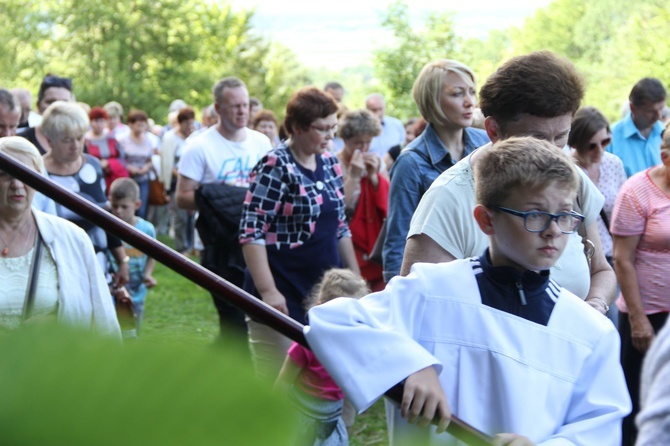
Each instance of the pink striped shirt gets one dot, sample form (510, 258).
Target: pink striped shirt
(642, 208)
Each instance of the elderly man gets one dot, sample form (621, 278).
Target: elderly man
(393, 130)
(637, 137)
(28, 117)
(222, 154)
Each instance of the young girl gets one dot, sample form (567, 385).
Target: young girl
(318, 398)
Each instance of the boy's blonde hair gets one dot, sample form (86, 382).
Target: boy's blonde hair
(521, 163)
(337, 282)
(123, 188)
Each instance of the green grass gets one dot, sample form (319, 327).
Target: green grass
(178, 311)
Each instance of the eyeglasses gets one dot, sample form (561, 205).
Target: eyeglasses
(538, 221)
(604, 143)
(326, 130)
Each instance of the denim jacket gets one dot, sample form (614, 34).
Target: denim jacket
(423, 160)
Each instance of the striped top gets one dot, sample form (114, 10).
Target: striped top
(643, 209)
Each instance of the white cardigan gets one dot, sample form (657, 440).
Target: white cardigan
(83, 294)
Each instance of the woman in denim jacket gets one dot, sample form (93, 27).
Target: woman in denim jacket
(445, 95)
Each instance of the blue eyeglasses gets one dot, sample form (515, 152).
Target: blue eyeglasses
(538, 221)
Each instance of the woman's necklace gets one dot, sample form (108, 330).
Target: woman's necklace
(5, 250)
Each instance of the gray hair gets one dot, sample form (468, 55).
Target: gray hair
(375, 96)
(359, 123)
(11, 101)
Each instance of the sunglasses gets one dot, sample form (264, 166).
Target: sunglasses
(51, 81)
(604, 143)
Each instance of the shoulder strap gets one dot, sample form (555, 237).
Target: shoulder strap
(32, 279)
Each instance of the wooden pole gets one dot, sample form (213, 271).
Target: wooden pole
(255, 308)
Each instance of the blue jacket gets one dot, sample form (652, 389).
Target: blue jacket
(423, 160)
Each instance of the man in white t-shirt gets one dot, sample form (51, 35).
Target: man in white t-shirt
(224, 154)
(393, 130)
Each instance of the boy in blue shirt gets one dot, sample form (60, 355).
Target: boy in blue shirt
(494, 338)
(124, 197)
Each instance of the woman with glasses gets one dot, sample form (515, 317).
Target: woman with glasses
(293, 227)
(589, 136)
(444, 92)
(642, 262)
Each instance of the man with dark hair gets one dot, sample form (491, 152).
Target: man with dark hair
(10, 113)
(637, 137)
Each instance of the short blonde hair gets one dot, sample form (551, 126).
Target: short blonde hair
(16, 145)
(64, 118)
(337, 282)
(113, 109)
(521, 163)
(428, 87)
(359, 123)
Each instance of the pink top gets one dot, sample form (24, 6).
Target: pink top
(642, 208)
(313, 380)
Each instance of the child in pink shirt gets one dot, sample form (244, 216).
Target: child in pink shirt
(318, 399)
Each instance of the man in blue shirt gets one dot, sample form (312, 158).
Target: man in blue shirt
(636, 139)
(393, 130)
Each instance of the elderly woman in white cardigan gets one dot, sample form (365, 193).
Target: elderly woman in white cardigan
(47, 264)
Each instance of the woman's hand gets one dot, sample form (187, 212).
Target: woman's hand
(641, 332)
(372, 162)
(357, 165)
(275, 299)
(423, 398)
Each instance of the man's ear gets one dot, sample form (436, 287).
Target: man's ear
(482, 215)
(492, 129)
(138, 204)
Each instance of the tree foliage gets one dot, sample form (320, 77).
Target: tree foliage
(399, 64)
(142, 53)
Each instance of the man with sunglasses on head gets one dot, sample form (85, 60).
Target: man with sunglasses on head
(637, 137)
(523, 98)
(52, 89)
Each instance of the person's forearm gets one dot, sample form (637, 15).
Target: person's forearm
(119, 254)
(256, 258)
(346, 249)
(149, 267)
(350, 186)
(603, 279)
(630, 288)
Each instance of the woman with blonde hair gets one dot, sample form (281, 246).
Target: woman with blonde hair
(445, 94)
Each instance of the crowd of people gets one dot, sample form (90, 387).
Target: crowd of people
(497, 233)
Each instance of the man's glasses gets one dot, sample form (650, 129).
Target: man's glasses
(538, 221)
(326, 130)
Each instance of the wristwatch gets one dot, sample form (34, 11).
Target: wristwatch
(126, 259)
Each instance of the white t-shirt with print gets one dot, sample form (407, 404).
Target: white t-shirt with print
(211, 158)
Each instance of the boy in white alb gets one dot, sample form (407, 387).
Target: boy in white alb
(493, 338)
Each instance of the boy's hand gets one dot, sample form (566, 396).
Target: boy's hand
(511, 440)
(149, 281)
(424, 398)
